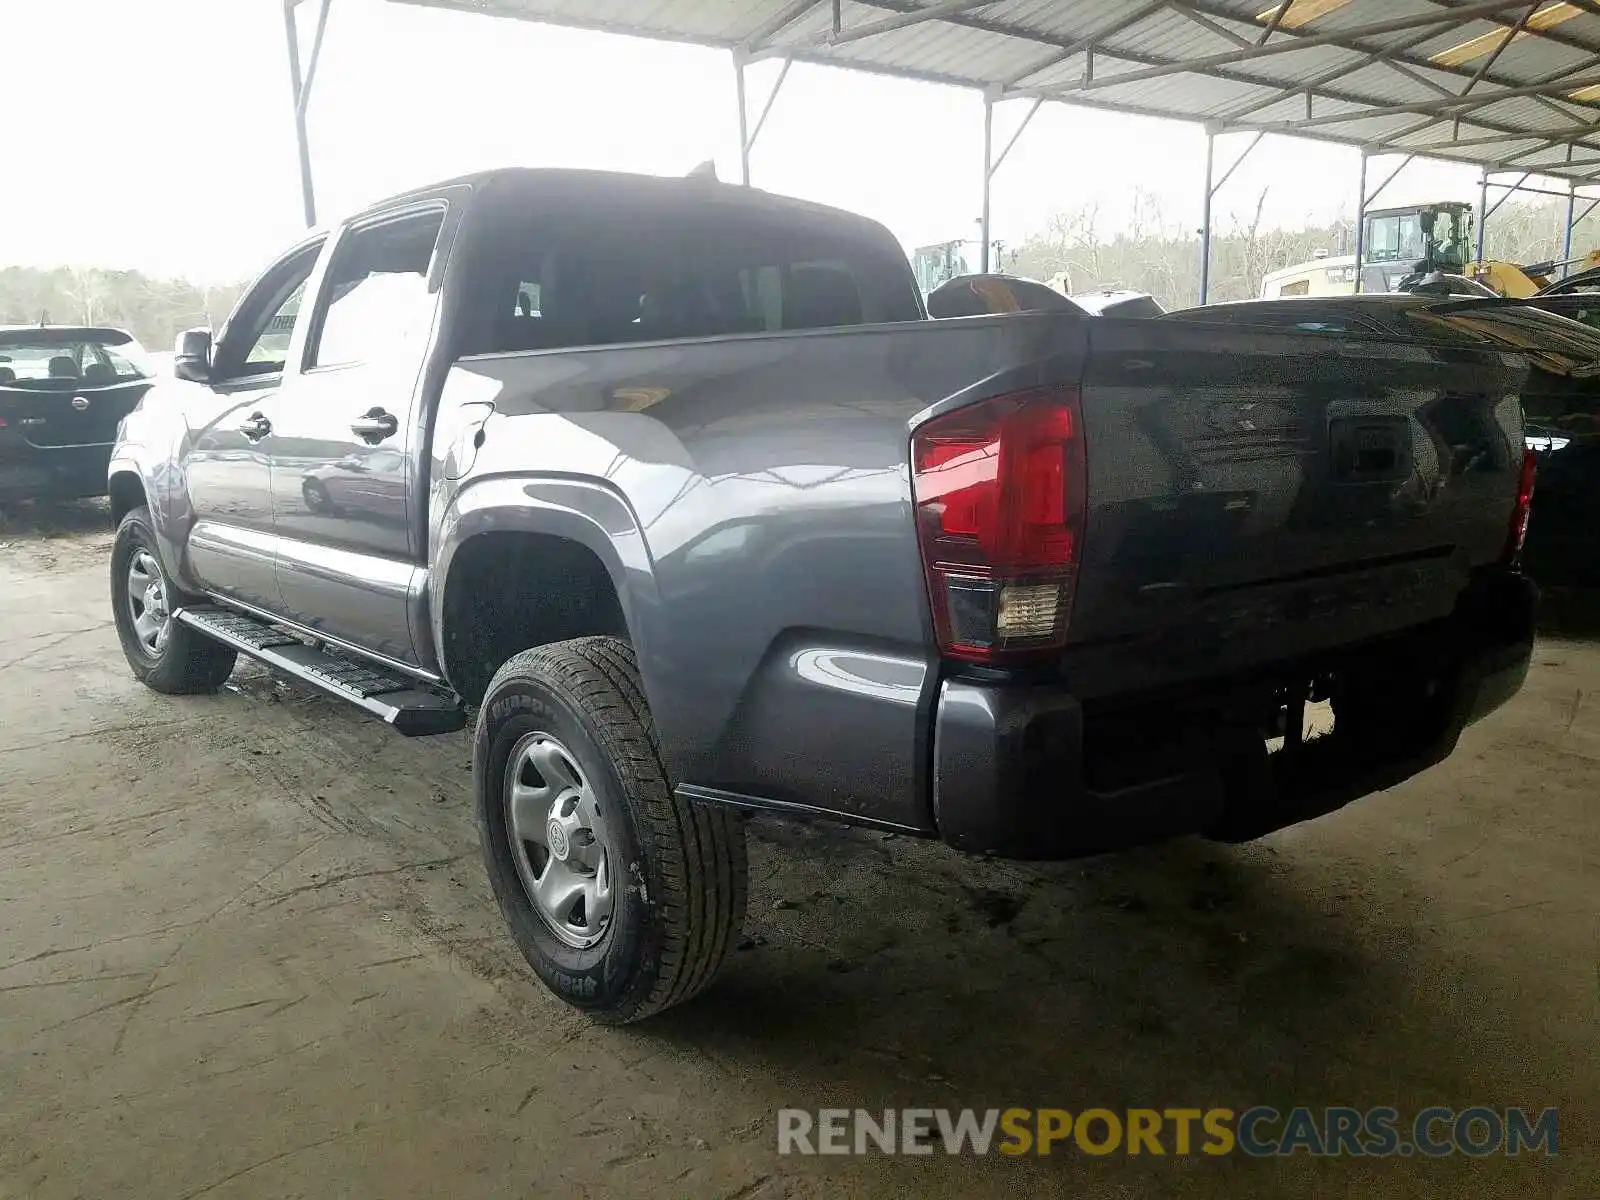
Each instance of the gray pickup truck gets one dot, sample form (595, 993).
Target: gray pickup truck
(677, 486)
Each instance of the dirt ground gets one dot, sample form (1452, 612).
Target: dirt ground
(249, 951)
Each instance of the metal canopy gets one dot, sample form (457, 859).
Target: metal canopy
(1507, 85)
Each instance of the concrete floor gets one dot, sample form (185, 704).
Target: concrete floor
(249, 951)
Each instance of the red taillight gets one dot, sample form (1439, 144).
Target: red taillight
(1518, 533)
(999, 491)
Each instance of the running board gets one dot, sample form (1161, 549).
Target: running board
(409, 705)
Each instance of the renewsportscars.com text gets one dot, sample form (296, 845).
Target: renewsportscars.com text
(1259, 1131)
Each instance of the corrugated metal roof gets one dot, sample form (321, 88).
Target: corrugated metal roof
(1494, 84)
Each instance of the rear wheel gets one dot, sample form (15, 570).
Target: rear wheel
(623, 898)
(164, 655)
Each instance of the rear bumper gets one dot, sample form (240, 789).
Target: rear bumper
(1033, 772)
(33, 472)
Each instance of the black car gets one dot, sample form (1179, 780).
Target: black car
(63, 391)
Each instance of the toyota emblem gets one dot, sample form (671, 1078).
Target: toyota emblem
(80, 402)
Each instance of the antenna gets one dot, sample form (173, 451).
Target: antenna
(706, 170)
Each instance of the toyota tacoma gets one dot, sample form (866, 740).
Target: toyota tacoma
(674, 488)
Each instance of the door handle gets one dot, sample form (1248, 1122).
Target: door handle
(255, 426)
(374, 425)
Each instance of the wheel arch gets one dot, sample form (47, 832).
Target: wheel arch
(125, 486)
(522, 563)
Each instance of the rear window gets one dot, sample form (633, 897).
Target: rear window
(683, 271)
(63, 361)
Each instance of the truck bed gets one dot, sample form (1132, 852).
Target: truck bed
(1253, 497)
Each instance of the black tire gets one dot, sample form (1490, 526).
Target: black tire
(682, 892)
(316, 496)
(188, 662)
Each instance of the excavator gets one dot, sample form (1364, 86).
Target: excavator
(1402, 246)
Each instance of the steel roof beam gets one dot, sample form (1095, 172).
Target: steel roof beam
(900, 20)
(1272, 25)
(1431, 23)
(1417, 77)
(1544, 145)
(1455, 106)
(1326, 77)
(1067, 49)
(1443, 151)
(1439, 20)
(1555, 137)
(1549, 35)
(778, 24)
(1509, 133)
(1572, 163)
(1349, 39)
(1510, 36)
(1566, 114)
(1209, 25)
(1230, 122)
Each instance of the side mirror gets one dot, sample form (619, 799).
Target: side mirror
(191, 356)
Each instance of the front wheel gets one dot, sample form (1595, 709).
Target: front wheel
(623, 898)
(316, 496)
(164, 655)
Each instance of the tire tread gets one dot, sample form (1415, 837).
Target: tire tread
(191, 663)
(700, 851)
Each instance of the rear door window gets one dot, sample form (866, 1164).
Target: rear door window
(376, 299)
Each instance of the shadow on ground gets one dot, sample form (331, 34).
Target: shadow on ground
(1570, 613)
(54, 519)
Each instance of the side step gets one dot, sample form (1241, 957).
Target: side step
(410, 706)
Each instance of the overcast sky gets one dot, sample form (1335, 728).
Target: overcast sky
(160, 132)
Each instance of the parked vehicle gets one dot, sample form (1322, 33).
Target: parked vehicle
(63, 389)
(704, 516)
(1576, 297)
(995, 292)
(1119, 303)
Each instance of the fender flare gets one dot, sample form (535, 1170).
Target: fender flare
(131, 458)
(584, 511)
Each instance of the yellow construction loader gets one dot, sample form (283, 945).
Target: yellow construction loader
(1401, 245)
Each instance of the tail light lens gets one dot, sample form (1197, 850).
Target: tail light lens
(1518, 533)
(999, 492)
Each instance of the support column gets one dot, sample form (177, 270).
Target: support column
(744, 119)
(1205, 218)
(1566, 239)
(988, 174)
(992, 163)
(1361, 217)
(747, 133)
(301, 87)
(1483, 210)
(1213, 186)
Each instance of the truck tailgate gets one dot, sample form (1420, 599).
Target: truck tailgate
(1256, 494)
